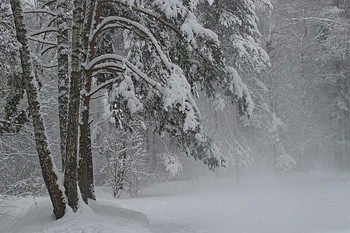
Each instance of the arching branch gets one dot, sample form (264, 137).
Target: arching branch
(42, 41)
(102, 85)
(45, 50)
(137, 26)
(108, 65)
(146, 12)
(103, 58)
(101, 63)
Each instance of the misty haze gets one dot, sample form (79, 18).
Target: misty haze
(175, 116)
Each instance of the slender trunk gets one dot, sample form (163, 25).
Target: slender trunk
(62, 73)
(273, 105)
(122, 169)
(85, 171)
(340, 145)
(90, 171)
(275, 158)
(70, 173)
(278, 169)
(46, 163)
(151, 147)
(347, 85)
(237, 175)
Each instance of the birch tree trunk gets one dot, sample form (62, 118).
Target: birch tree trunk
(70, 172)
(46, 163)
(62, 73)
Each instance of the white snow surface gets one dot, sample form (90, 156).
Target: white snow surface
(297, 203)
(28, 215)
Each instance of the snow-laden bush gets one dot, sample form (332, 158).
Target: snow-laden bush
(19, 167)
(124, 161)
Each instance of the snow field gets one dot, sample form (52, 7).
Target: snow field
(298, 203)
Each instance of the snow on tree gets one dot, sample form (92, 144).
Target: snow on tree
(19, 165)
(171, 163)
(333, 74)
(304, 72)
(283, 161)
(131, 88)
(125, 157)
(31, 86)
(236, 24)
(12, 114)
(171, 56)
(237, 28)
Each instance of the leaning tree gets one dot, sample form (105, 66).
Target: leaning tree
(169, 58)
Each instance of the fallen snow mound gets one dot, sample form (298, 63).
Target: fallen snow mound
(28, 216)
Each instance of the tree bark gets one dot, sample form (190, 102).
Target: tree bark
(62, 73)
(85, 170)
(70, 173)
(46, 163)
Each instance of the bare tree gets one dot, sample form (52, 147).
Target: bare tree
(70, 172)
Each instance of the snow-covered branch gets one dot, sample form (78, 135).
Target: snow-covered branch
(319, 19)
(99, 63)
(103, 58)
(102, 85)
(4, 121)
(107, 65)
(42, 41)
(39, 11)
(116, 19)
(49, 66)
(43, 51)
(147, 12)
(43, 30)
(142, 75)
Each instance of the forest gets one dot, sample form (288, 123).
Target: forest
(106, 104)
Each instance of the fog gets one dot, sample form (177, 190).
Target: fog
(175, 116)
(307, 202)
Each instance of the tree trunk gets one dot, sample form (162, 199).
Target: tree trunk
(275, 159)
(46, 163)
(122, 168)
(62, 73)
(347, 85)
(90, 171)
(70, 173)
(85, 170)
(237, 175)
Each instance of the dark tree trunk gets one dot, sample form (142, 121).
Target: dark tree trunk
(90, 171)
(70, 173)
(46, 163)
(85, 171)
(121, 170)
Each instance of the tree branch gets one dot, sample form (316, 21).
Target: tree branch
(42, 41)
(43, 30)
(41, 11)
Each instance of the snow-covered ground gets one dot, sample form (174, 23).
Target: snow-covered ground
(26, 215)
(298, 203)
(295, 204)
